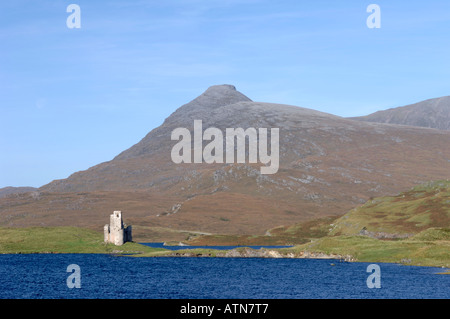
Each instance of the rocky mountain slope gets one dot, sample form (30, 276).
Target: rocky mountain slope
(328, 165)
(433, 113)
(8, 191)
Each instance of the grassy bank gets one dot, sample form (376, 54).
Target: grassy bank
(428, 248)
(61, 240)
(405, 214)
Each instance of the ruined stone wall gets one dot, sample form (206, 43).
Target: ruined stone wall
(115, 232)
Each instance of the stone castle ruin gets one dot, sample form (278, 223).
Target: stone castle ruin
(115, 232)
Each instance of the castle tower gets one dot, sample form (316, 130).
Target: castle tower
(115, 232)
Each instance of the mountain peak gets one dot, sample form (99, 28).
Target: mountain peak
(214, 97)
(221, 87)
(219, 95)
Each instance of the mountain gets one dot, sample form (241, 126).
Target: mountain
(213, 100)
(7, 191)
(433, 113)
(327, 166)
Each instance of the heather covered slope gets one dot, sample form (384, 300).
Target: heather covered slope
(403, 215)
(412, 227)
(423, 209)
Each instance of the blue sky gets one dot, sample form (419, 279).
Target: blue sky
(72, 98)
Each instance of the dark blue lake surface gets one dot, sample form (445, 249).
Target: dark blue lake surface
(104, 276)
(161, 245)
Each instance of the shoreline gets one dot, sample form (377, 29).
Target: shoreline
(242, 252)
(245, 252)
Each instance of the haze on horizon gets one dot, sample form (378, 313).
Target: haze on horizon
(72, 98)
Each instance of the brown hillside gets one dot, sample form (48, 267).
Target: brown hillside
(328, 165)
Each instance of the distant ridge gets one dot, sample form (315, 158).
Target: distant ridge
(432, 113)
(6, 191)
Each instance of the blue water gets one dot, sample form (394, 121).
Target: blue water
(104, 276)
(161, 245)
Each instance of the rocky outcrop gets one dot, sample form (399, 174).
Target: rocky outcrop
(247, 252)
(383, 235)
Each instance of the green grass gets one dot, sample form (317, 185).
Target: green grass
(410, 212)
(419, 250)
(422, 214)
(433, 234)
(61, 240)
